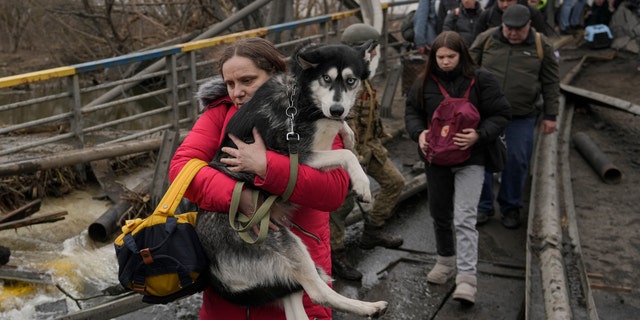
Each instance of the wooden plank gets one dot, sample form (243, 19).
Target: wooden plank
(107, 179)
(51, 217)
(160, 182)
(390, 91)
(602, 99)
(22, 212)
(109, 310)
(25, 274)
(601, 286)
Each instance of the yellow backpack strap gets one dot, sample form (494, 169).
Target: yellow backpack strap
(172, 197)
(486, 43)
(539, 46)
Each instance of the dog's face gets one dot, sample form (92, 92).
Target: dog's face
(334, 74)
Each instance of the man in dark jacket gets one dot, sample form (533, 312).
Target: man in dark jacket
(492, 16)
(511, 53)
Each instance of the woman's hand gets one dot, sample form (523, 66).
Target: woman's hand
(246, 207)
(250, 158)
(422, 140)
(466, 138)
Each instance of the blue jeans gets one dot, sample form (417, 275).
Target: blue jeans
(519, 138)
(570, 13)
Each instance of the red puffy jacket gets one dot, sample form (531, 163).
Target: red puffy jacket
(317, 192)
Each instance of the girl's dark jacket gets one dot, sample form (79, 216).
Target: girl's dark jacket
(486, 96)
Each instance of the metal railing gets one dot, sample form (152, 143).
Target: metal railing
(77, 110)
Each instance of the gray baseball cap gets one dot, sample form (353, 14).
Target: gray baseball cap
(516, 16)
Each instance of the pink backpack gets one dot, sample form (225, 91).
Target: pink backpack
(451, 116)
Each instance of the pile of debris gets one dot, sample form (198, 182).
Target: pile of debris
(625, 26)
(20, 196)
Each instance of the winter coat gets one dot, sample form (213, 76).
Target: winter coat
(211, 190)
(520, 73)
(444, 8)
(486, 96)
(463, 21)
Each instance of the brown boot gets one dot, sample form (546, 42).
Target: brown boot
(374, 236)
(341, 266)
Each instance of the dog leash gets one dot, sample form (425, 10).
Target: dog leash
(242, 223)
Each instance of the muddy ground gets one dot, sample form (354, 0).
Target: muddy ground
(609, 214)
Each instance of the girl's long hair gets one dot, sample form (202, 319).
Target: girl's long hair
(453, 41)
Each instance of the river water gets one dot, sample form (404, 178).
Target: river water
(79, 266)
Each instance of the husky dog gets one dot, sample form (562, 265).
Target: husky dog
(322, 87)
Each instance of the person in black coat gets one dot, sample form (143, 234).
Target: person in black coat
(445, 7)
(599, 12)
(463, 19)
(454, 190)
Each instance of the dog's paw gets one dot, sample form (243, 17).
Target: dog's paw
(379, 309)
(348, 137)
(362, 190)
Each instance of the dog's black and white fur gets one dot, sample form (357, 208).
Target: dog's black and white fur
(326, 79)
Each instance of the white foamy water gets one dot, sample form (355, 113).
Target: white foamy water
(78, 265)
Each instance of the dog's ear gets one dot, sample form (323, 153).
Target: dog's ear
(366, 50)
(304, 62)
(306, 55)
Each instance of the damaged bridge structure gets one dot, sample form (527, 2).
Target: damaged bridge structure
(120, 136)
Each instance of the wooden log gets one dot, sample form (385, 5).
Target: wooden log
(568, 78)
(22, 212)
(74, 157)
(592, 275)
(160, 182)
(51, 217)
(600, 286)
(107, 179)
(25, 274)
(602, 99)
(110, 309)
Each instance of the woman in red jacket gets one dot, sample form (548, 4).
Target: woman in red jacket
(244, 67)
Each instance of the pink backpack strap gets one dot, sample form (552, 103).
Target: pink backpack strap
(442, 89)
(446, 94)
